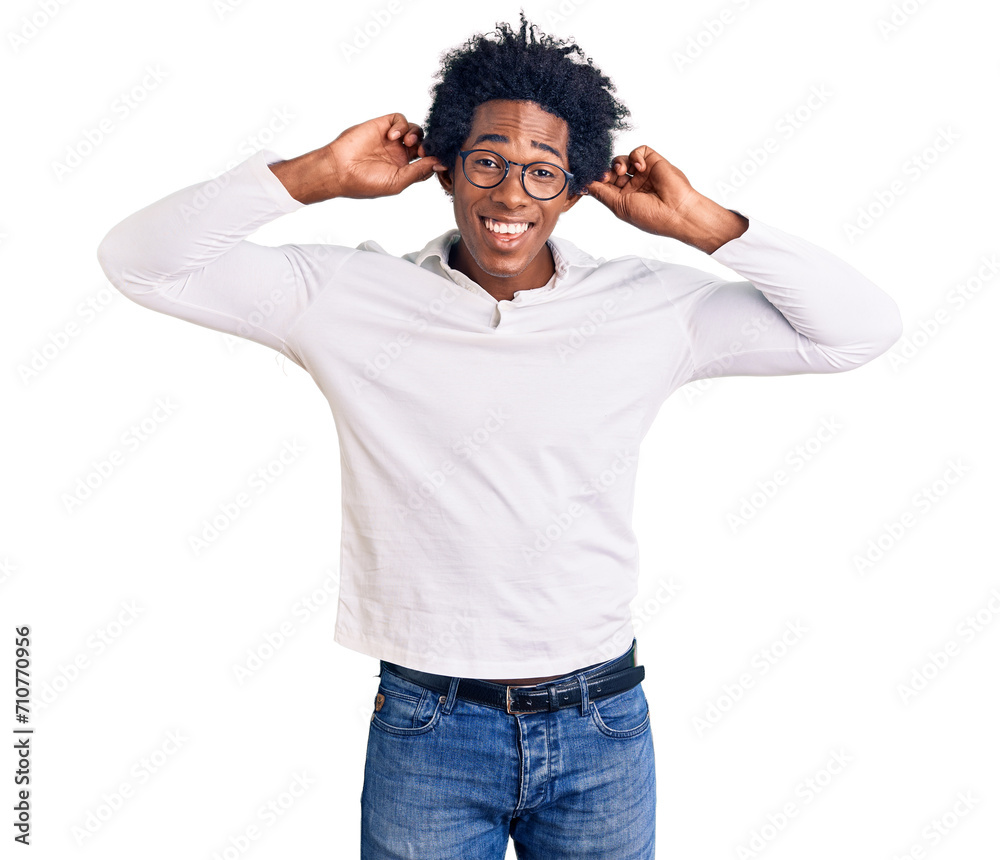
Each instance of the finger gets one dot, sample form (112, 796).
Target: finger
(647, 159)
(604, 192)
(615, 177)
(412, 137)
(414, 134)
(634, 162)
(417, 171)
(398, 126)
(639, 157)
(411, 140)
(621, 170)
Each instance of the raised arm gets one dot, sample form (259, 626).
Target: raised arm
(371, 159)
(800, 310)
(186, 255)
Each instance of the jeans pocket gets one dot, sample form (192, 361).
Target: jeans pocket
(405, 709)
(623, 715)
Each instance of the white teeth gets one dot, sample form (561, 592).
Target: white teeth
(502, 227)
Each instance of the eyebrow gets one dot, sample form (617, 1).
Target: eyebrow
(502, 138)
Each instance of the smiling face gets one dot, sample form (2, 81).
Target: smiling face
(505, 262)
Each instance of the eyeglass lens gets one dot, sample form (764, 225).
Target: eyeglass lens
(541, 179)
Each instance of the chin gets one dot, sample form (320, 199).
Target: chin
(505, 268)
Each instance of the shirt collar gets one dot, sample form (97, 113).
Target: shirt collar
(565, 254)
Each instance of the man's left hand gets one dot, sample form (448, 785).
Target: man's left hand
(647, 191)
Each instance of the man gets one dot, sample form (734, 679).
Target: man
(490, 393)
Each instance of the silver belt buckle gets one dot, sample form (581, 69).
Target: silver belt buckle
(510, 703)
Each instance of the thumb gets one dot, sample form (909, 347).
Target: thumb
(417, 171)
(604, 192)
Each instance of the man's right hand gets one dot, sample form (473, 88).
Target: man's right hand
(372, 159)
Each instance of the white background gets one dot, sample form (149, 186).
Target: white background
(915, 439)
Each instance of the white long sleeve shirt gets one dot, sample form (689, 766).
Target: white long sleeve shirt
(488, 448)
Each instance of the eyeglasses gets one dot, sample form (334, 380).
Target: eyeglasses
(540, 179)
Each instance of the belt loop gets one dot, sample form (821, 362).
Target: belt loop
(452, 694)
(584, 695)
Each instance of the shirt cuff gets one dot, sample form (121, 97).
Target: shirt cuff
(729, 245)
(257, 165)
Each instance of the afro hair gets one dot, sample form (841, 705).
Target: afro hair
(521, 67)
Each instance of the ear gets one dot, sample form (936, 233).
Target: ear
(571, 201)
(447, 183)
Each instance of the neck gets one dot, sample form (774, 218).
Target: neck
(502, 287)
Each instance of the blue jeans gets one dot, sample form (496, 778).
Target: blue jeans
(448, 779)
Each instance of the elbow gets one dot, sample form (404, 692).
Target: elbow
(109, 256)
(117, 256)
(888, 330)
(884, 330)
(893, 328)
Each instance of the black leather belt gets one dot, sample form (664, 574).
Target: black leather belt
(603, 679)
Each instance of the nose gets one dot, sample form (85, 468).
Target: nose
(511, 191)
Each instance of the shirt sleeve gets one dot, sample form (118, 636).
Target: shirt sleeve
(800, 310)
(187, 256)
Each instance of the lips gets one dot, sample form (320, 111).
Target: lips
(505, 240)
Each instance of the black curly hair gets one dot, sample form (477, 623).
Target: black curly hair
(521, 67)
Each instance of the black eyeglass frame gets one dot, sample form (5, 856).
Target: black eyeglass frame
(524, 169)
